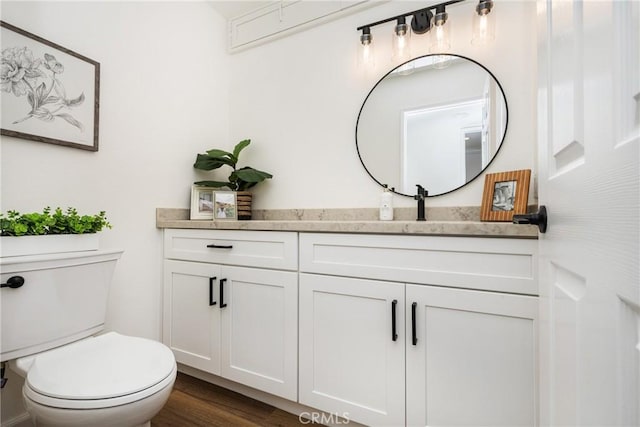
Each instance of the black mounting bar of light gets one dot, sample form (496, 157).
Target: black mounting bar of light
(421, 18)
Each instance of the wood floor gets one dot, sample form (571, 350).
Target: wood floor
(197, 403)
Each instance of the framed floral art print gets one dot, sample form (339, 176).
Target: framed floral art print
(49, 93)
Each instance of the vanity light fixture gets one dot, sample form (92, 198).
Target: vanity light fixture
(422, 21)
(484, 28)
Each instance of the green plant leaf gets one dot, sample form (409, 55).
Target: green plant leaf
(216, 184)
(250, 174)
(215, 153)
(239, 147)
(207, 163)
(20, 229)
(246, 186)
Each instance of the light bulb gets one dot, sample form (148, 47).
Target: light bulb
(440, 38)
(484, 28)
(366, 57)
(401, 43)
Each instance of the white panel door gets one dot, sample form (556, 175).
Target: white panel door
(191, 318)
(471, 358)
(351, 362)
(588, 111)
(259, 335)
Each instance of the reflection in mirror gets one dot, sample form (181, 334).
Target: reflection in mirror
(437, 121)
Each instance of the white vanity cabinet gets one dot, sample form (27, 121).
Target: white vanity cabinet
(350, 364)
(231, 305)
(473, 360)
(462, 343)
(191, 324)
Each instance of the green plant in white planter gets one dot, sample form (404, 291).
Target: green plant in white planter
(68, 231)
(58, 222)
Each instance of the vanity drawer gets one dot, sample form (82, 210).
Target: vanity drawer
(265, 249)
(492, 264)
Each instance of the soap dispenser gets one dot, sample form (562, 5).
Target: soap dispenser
(386, 205)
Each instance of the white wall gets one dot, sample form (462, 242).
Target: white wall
(164, 97)
(169, 90)
(298, 99)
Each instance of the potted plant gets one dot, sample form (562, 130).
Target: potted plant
(239, 180)
(49, 231)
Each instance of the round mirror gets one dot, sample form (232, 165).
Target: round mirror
(437, 121)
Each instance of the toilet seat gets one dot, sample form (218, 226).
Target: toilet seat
(99, 372)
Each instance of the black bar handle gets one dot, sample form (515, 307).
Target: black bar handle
(212, 281)
(539, 219)
(414, 334)
(214, 246)
(394, 334)
(13, 282)
(222, 303)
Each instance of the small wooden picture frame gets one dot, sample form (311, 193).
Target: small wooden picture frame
(201, 202)
(225, 205)
(505, 194)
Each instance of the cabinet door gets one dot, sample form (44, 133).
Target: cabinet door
(259, 318)
(474, 362)
(350, 364)
(191, 318)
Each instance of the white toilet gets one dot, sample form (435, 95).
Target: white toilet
(73, 378)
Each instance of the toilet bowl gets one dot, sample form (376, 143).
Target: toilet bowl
(73, 377)
(108, 380)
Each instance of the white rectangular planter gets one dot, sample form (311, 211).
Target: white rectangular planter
(47, 244)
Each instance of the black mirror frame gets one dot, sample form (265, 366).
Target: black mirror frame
(504, 135)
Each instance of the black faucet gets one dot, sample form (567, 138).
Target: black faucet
(422, 193)
(3, 380)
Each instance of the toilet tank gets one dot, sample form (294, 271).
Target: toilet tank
(63, 299)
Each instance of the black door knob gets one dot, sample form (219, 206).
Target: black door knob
(539, 219)
(13, 282)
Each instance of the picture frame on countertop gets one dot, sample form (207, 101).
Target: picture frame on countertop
(201, 202)
(50, 93)
(225, 205)
(505, 194)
